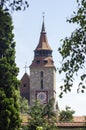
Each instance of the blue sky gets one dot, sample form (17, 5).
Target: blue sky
(27, 27)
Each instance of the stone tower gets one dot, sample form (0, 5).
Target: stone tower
(42, 72)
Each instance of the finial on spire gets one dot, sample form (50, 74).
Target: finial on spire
(43, 27)
(43, 15)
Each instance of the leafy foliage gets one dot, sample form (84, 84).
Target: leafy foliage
(36, 117)
(11, 5)
(39, 128)
(9, 95)
(24, 107)
(9, 108)
(41, 118)
(50, 115)
(73, 50)
(66, 115)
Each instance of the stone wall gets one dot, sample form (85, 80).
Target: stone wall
(49, 81)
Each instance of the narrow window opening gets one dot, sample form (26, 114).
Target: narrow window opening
(24, 85)
(41, 84)
(41, 74)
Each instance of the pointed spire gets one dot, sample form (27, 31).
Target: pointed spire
(43, 51)
(43, 26)
(43, 42)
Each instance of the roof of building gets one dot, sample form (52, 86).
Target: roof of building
(25, 77)
(43, 42)
(71, 124)
(43, 61)
(43, 52)
(78, 121)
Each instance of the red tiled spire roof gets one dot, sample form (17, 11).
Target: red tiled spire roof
(43, 42)
(43, 52)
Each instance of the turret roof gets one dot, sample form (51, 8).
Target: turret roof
(43, 42)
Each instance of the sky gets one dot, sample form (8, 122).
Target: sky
(27, 28)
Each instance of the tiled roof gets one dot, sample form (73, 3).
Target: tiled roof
(78, 121)
(25, 76)
(43, 61)
(43, 52)
(71, 124)
(43, 42)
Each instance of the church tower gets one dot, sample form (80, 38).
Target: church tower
(42, 72)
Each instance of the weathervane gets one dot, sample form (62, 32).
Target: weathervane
(25, 67)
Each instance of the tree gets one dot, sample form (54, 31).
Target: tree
(11, 5)
(73, 50)
(39, 128)
(41, 118)
(9, 103)
(36, 118)
(24, 107)
(50, 114)
(66, 115)
(9, 108)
